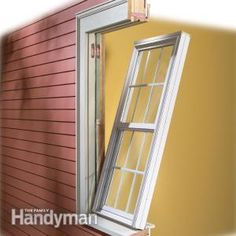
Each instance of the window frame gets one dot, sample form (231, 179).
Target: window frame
(180, 42)
(107, 16)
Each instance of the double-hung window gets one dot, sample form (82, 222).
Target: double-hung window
(140, 129)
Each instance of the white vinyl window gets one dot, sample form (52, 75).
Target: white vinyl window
(140, 129)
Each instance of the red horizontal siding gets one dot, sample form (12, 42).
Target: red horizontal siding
(54, 127)
(56, 115)
(9, 229)
(49, 45)
(41, 181)
(50, 68)
(44, 35)
(43, 81)
(60, 54)
(38, 121)
(48, 196)
(54, 139)
(61, 103)
(43, 160)
(50, 173)
(18, 230)
(50, 150)
(67, 90)
(30, 197)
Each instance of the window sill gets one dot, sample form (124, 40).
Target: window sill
(111, 228)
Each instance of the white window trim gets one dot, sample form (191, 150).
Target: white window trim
(112, 14)
(180, 42)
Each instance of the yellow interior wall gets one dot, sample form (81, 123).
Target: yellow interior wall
(194, 192)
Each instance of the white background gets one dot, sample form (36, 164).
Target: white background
(217, 13)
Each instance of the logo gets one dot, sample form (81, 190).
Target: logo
(49, 217)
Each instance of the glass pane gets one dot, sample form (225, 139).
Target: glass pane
(140, 68)
(126, 181)
(147, 67)
(134, 150)
(142, 104)
(137, 182)
(165, 61)
(123, 191)
(116, 178)
(118, 194)
(152, 65)
(144, 154)
(125, 145)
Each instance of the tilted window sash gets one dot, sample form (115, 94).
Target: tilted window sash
(140, 129)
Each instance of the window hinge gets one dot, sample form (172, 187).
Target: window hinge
(95, 50)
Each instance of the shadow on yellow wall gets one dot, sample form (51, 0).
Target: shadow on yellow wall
(195, 190)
